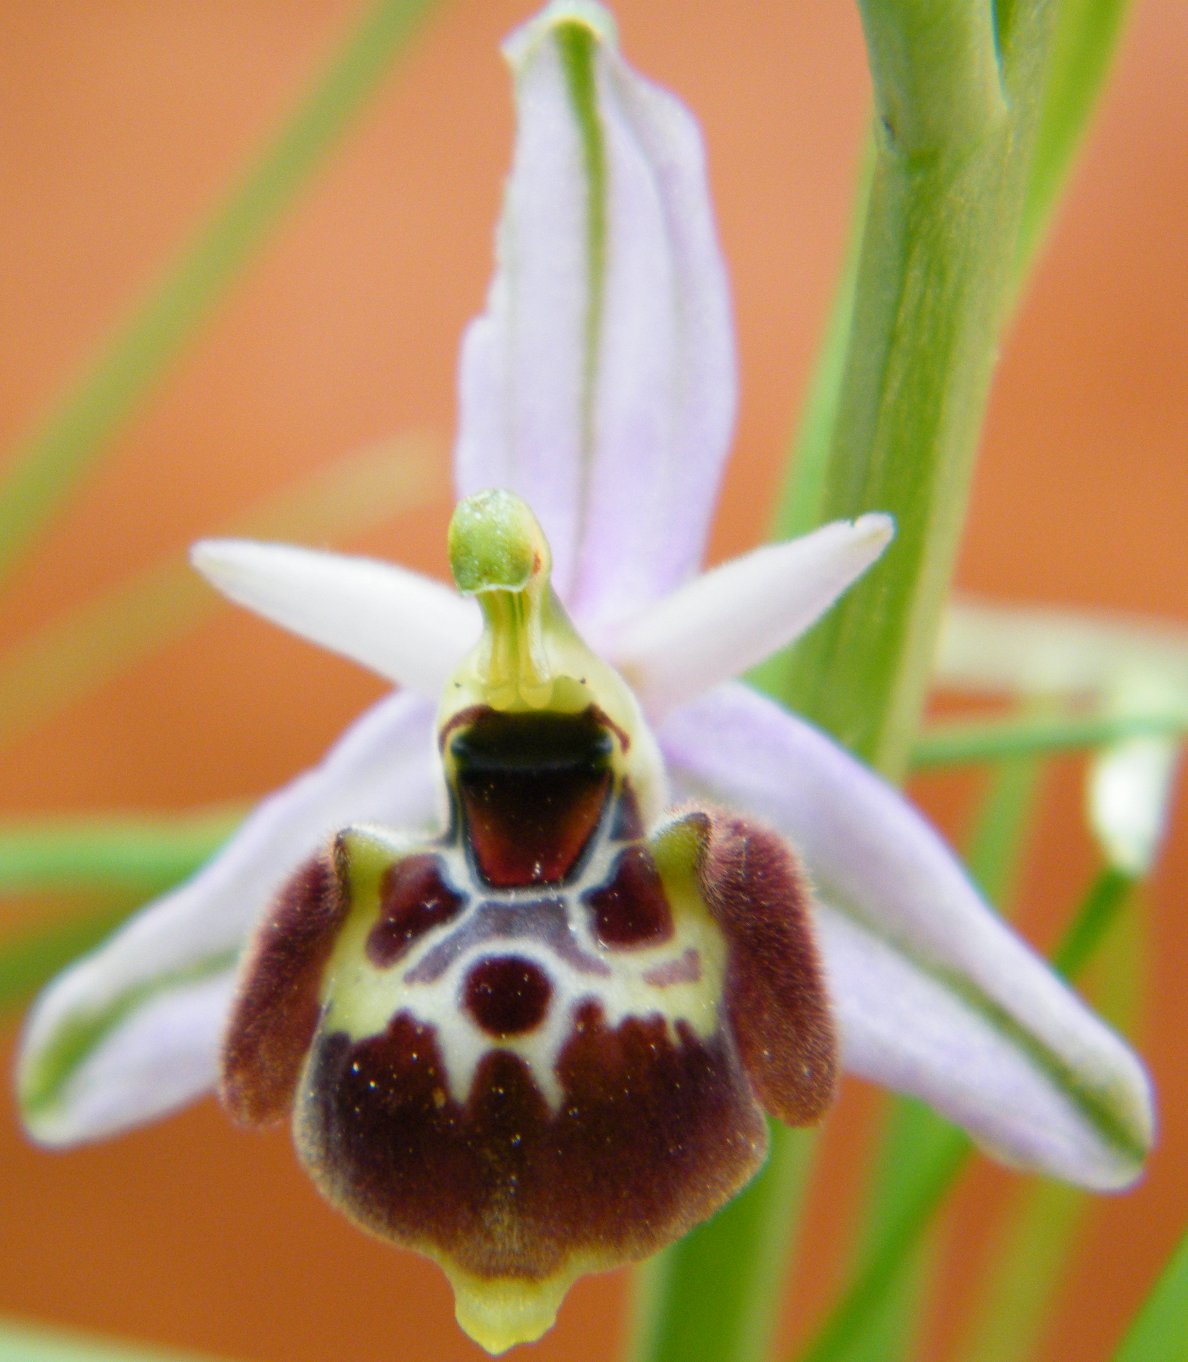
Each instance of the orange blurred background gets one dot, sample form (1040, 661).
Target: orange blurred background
(120, 126)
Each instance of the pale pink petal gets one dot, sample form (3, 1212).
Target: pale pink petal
(718, 625)
(935, 995)
(132, 1030)
(408, 628)
(599, 383)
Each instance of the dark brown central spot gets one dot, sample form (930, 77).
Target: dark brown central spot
(533, 788)
(507, 995)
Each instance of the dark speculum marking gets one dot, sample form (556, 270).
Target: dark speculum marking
(631, 908)
(276, 1011)
(532, 789)
(543, 920)
(414, 898)
(652, 1135)
(507, 995)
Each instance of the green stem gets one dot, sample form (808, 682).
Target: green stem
(1084, 40)
(1001, 833)
(953, 130)
(1160, 1330)
(894, 1249)
(1107, 896)
(52, 457)
(684, 1312)
(957, 742)
(938, 251)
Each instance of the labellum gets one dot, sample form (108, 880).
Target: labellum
(540, 1044)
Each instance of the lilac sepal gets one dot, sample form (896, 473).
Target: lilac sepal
(148, 1007)
(934, 994)
(605, 358)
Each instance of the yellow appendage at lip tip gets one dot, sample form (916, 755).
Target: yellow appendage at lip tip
(500, 1313)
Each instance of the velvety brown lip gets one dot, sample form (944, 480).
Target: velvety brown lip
(652, 1134)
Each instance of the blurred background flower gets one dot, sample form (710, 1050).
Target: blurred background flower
(122, 126)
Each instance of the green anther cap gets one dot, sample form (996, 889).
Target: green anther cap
(496, 544)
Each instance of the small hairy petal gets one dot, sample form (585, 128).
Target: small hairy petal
(599, 383)
(934, 994)
(408, 628)
(275, 1012)
(718, 625)
(132, 1030)
(775, 988)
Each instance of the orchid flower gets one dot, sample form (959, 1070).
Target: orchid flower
(528, 955)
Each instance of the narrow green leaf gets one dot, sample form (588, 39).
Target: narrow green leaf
(21, 1342)
(28, 960)
(956, 742)
(1029, 1260)
(133, 362)
(1083, 45)
(129, 853)
(801, 499)
(1108, 895)
(1002, 831)
(1160, 1331)
(96, 641)
(891, 1253)
(802, 495)
(715, 1293)
(913, 1140)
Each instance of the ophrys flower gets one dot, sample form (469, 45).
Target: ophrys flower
(598, 386)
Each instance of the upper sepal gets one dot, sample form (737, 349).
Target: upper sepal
(599, 382)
